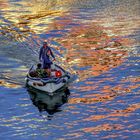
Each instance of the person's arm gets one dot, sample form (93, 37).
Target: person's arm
(52, 54)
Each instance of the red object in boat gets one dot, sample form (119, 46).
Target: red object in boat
(58, 73)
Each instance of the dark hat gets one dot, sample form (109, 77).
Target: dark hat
(45, 42)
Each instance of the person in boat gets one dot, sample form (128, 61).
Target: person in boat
(44, 57)
(40, 72)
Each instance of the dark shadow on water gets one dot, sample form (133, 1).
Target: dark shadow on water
(49, 103)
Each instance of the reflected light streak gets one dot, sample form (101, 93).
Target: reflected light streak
(108, 93)
(88, 45)
(114, 115)
(31, 14)
(103, 127)
(8, 84)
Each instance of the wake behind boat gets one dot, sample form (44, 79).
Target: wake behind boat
(59, 79)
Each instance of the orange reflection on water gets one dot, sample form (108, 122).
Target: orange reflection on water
(8, 84)
(89, 45)
(86, 88)
(103, 127)
(108, 93)
(73, 135)
(129, 89)
(131, 79)
(115, 114)
(4, 4)
(92, 100)
(24, 17)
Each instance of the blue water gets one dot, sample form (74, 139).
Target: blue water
(102, 103)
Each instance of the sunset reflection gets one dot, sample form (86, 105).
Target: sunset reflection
(97, 42)
(108, 93)
(104, 127)
(115, 114)
(89, 46)
(8, 84)
(28, 17)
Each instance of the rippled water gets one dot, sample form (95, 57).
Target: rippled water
(98, 41)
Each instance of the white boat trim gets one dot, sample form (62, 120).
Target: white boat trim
(48, 85)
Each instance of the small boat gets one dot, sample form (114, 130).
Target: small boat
(59, 79)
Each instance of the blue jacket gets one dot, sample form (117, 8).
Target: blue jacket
(45, 54)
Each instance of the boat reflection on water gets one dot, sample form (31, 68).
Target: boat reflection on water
(49, 103)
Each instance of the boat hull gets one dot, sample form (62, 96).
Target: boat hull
(51, 84)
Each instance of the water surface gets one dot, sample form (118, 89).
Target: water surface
(98, 41)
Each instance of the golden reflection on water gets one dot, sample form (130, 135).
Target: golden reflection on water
(28, 16)
(114, 115)
(103, 127)
(91, 49)
(80, 42)
(90, 46)
(10, 77)
(108, 93)
(125, 22)
(9, 85)
(22, 19)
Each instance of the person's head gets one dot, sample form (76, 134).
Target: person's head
(39, 65)
(45, 44)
